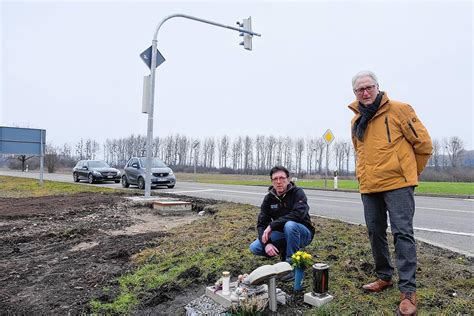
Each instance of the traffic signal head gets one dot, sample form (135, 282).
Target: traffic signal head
(246, 25)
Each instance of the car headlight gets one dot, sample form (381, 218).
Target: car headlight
(171, 172)
(96, 173)
(118, 173)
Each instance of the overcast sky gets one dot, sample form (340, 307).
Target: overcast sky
(73, 68)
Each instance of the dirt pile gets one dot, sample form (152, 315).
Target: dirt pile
(58, 252)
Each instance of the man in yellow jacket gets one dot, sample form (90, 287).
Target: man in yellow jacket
(392, 148)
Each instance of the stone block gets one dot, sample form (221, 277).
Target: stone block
(172, 207)
(314, 300)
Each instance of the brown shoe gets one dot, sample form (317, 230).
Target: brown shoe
(407, 304)
(377, 286)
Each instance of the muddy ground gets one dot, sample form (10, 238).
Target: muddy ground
(57, 253)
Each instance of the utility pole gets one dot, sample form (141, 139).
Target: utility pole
(195, 145)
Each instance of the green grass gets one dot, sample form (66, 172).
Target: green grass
(220, 242)
(455, 188)
(24, 187)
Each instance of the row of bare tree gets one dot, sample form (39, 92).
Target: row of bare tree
(447, 152)
(244, 154)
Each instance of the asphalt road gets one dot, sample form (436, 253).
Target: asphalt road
(445, 222)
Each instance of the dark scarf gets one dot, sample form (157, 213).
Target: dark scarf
(366, 114)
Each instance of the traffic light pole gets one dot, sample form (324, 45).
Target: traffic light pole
(149, 139)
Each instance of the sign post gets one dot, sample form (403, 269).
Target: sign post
(328, 137)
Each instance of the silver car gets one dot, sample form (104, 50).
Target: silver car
(134, 173)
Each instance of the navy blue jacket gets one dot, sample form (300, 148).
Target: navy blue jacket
(277, 210)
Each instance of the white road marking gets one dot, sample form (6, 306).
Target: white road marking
(442, 231)
(442, 209)
(194, 191)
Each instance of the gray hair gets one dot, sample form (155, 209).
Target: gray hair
(364, 73)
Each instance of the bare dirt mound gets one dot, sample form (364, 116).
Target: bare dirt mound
(58, 252)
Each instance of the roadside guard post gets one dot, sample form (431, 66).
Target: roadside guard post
(153, 58)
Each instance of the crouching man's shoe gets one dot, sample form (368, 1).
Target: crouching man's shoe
(407, 304)
(377, 286)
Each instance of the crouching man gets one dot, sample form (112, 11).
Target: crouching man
(284, 225)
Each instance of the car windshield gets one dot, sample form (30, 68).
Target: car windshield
(155, 163)
(98, 164)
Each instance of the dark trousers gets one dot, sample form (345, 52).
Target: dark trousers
(400, 205)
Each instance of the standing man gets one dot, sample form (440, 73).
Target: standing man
(392, 148)
(284, 225)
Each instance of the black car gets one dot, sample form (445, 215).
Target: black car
(95, 170)
(134, 173)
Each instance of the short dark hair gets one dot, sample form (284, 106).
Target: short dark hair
(279, 168)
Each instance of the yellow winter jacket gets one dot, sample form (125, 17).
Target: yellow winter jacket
(395, 148)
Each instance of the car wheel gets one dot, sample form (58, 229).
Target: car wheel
(90, 178)
(75, 177)
(125, 183)
(170, 186)
(141, 183)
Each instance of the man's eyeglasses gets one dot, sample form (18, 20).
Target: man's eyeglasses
(369, 89)
(279, 179)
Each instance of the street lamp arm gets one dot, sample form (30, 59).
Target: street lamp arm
(179, 15)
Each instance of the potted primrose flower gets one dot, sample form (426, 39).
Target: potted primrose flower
(300, 260)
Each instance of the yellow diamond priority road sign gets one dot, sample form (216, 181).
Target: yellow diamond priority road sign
(328, 137)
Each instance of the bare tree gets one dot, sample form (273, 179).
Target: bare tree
(347, 152)
(183, 145)
(248, 154)
(156, 147)
(80, 149)
(223, 150)
(454, 147)
(299, 149)
(310, 152)
(288, 152)
(23, 159)
(260, 152)
(270, 148)
(280, 145)
(320, 146)
(236, 153)
(208, 153)
(435, 158)
(51, 158)
(91, 148)
(337, 150)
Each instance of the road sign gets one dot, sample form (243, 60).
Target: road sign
(146, 57)
(328, 137)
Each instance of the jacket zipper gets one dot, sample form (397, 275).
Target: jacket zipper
(388, 129)
(412, 129)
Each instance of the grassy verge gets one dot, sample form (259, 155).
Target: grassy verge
(455, 188)
(24, 187)
(197, 254)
